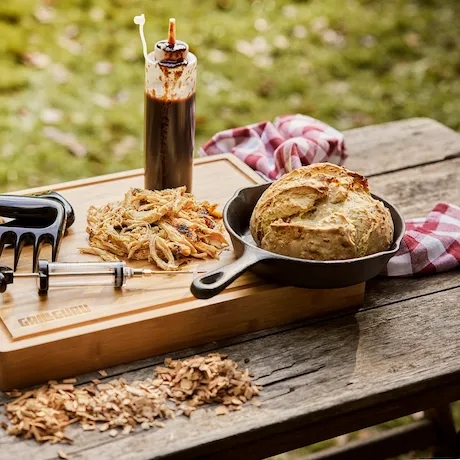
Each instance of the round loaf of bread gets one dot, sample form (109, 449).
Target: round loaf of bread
(321, 212)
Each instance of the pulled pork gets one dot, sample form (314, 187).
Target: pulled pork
(165, 227)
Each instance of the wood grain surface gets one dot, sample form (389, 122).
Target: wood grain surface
(22, 300)
(398, 354)
(379, 149)
(81, 329)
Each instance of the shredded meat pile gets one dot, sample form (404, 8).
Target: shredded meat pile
(165, 227)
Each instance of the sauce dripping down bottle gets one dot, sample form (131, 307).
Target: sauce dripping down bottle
(169, 123)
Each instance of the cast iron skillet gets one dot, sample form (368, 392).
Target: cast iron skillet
(282, 269)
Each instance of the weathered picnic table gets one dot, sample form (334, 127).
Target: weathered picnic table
(400, 353)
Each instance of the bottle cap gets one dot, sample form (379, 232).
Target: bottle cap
(171, 50)
(177, 52)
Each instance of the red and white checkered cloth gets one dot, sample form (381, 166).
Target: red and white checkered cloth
(430, 245)
(274, 149)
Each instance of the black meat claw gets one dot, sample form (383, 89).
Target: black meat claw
(35, 220)
(67, 206)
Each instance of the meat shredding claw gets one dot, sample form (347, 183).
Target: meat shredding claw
(35, 219)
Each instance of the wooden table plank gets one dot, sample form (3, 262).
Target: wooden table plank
(318, 373)
(388, 147)
(328, 369)
(420, 188)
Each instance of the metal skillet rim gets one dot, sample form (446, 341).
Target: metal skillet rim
(396, 242)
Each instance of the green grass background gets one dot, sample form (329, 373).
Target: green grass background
(72, 75)
(349, 63)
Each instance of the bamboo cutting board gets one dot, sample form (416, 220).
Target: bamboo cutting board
(76, 330)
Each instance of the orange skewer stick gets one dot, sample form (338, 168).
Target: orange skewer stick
(172, 32)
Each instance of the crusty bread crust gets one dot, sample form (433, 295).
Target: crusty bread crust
(321, 212)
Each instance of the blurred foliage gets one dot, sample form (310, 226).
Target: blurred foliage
(71, 72)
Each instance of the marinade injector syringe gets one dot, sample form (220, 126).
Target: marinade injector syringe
(74, 274)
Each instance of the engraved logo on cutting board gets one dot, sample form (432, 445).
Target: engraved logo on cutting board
(53, 315)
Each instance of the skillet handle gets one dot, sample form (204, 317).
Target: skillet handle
(210, 284)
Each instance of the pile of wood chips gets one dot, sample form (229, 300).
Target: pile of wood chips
(178, 387)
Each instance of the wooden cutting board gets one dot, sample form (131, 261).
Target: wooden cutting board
(75, 330)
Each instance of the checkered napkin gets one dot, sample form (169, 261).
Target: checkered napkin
(430, 245)
(288, 143)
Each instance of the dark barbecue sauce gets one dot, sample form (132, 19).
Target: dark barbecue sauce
(169, 138)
